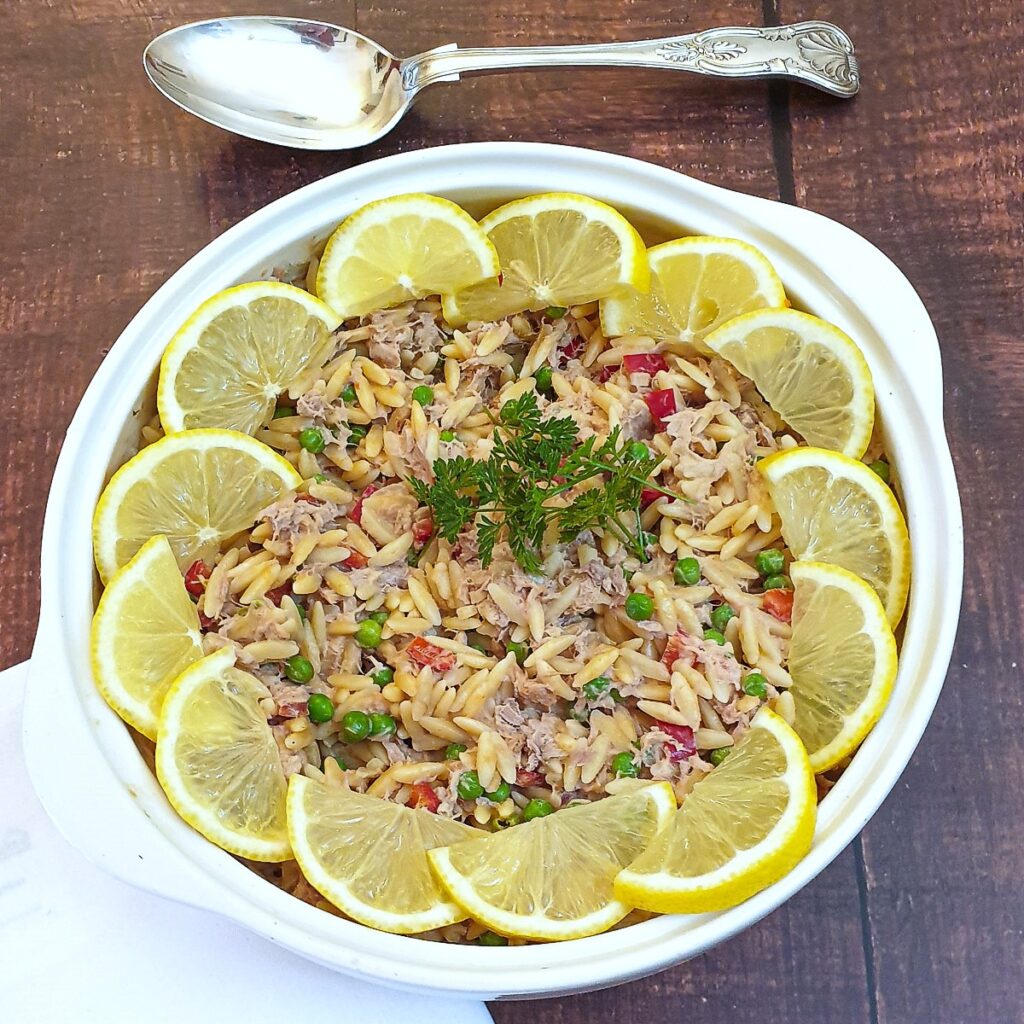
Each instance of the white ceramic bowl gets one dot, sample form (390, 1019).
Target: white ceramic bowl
(91, 777)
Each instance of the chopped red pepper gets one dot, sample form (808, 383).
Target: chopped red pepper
(684, 745)
(662, 404)
(572, 349)
(206, 622)
(780, 604)
(423, 529)
(423, 796)
(274, 596)
(423, 652)
(644, 362)
(524, 777)
(648, 496)
(308, 499)
(675, 649)
(356, 515)
(196, 576)
(357, 560)
(606, 374)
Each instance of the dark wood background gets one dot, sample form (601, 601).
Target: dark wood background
(106, 189)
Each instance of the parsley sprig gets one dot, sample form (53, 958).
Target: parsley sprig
(535, 459)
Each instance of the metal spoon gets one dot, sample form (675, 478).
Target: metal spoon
(311, 85)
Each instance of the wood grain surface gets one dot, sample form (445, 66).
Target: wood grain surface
(107, 189)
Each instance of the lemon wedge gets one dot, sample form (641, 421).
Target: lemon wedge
(741, 828)
(556, 249)
(842, 659)
(551, 878)
(144, 633)
(835, 509)
(401, 248)
(697, 284)
(368, 856)
(811, 373)
(217, 760)
(197, 488)
(237, 352)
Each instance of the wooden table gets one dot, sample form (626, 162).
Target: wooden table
(107, 189)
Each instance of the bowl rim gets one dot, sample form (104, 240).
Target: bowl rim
(829, 268)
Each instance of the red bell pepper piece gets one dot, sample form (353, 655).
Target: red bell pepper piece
(274, 596)
(357, 560)
(644, 362)
(423, 796)
(675, 649)
(684, 745)
(648, 496)
(780, 604)
(524, 777)
(356, 515)
(196, 576)
(423, 652)
(662, 404)
(423, 530)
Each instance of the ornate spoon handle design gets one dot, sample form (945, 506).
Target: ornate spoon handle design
(816, 53)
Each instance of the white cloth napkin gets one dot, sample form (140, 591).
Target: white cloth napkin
(78, 945)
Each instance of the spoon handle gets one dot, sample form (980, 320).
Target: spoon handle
(816, 53)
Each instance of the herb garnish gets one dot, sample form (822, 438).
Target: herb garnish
(534, 460)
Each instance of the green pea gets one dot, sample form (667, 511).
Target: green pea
(320, 708)
(501, 794)
(423, 394)
(356, 432)
(382, 725)
(368, 633)
(623, 766)
(348, 393)
(770, 562)
(716, 757)
(469, 787)
(383, 675)
(282, 411)
(452, 751)
(755, 685)
(687, 572)
(355, 726)
(298, 669)
(341, 764)
(881, 468)
(518, 649)
(448, 435)
(556, 311)
(319, 479)
(491, 939)
(312, 440)
(638, 450)
(594, 689)
(714, 634)
(543, 378)
(639, 607)
(778, 582)
(380, 616)
(537, 809)
(720, 617)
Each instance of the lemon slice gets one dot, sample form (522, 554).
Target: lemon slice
(144, 633)
(217, 760)
(237, 352)
(197, 488)
(697, 284)
(402, 248)
(834, 509)
(842, 658)
(811, 373)
(741, 828)
(368, 856)
(551, 878)
(556, 249)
